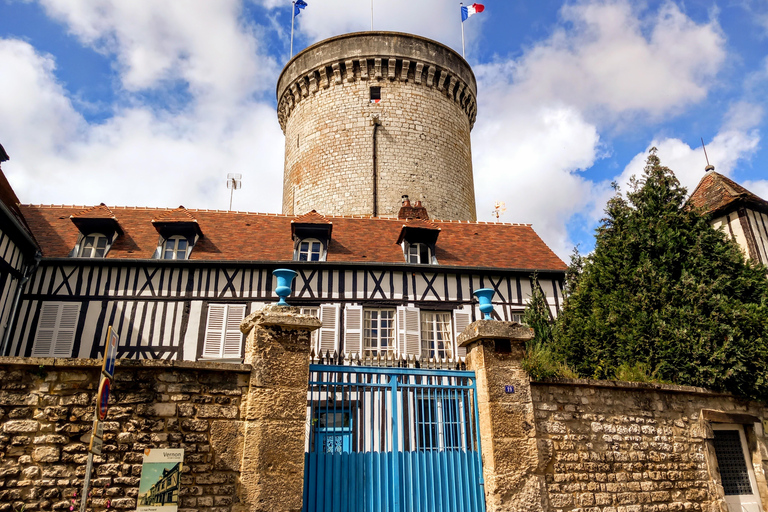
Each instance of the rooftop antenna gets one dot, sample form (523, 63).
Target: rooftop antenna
(709, 166)
(233, 183)
(499, 207)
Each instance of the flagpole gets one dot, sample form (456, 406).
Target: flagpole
(293, 16)
(461, 4)
(371, 15)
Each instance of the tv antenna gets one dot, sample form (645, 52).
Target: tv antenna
(234, 182)
(499, 207)
(709, 166)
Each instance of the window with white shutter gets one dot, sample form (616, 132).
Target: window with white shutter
(328, 334)
(436, 335)
(408, 333)
(223, 339)
(353, 329)
(56, 329)
(461, 319)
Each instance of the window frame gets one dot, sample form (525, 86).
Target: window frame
(369, 350)
(297, 252)
(430, 333)
(234, 330)
(62, 331)
(408, 252)
(81, 245)
(176, 238)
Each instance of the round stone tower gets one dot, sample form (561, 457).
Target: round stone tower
(372, 116)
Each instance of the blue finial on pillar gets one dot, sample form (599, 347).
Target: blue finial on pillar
(484, 295)
(284, 277)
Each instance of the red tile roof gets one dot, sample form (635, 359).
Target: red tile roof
(716, 193)
(264, 237)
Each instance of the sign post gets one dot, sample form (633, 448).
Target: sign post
(102, 404)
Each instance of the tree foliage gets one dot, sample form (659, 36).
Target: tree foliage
(540, 361)
(666, 291)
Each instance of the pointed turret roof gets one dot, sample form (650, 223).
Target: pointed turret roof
(716, 193)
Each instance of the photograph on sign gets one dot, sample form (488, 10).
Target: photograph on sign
(159, 485)
(96, 445)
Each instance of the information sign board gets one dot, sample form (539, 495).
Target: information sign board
(160, 480)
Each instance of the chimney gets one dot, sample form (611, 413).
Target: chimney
(408, 212)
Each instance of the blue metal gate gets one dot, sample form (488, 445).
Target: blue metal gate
(392, 439)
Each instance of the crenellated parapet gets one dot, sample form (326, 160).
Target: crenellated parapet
(377, 57)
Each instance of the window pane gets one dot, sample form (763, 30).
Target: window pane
(424, 255)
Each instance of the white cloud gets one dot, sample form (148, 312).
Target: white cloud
(540, 116)
(613, 59)
(138, 157)
(726, 150)
(200, 42)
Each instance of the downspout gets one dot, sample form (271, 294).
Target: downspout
(12, 316)
(376, 124)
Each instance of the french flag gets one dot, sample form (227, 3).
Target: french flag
(469, 10)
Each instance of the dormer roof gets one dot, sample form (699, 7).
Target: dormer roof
(97, 218)
(177, 221)
(418, 230)
(311, 224)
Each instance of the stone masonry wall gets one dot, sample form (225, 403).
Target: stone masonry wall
(47, 406)
(423, 146)
(622, 447)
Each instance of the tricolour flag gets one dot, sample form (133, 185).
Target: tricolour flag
(469, 10)
(298, 5)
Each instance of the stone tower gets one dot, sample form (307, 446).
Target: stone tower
(372, 116)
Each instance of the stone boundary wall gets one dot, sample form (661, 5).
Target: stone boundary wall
(630, 447)
(46, 413)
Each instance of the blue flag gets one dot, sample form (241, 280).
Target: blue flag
(298, 5)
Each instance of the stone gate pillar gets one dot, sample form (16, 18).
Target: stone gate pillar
(513, 461)
(275, 410)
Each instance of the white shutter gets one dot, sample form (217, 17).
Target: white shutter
(65, 333)
(461, 319)
(353, 329)
(329, 331)
(56, 329)
(233, 338)
(214, 331)
(46, 330)
(409, 331)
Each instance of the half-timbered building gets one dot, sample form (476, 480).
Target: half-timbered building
(177, 283)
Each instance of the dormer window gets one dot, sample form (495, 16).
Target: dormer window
(418, 253)
(175, 248)
(179, 231)
(310, 249)
(311, 234)
(418, 238)
(98, 231)
(94, 245)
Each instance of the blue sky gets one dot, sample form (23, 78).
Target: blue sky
(148, 103)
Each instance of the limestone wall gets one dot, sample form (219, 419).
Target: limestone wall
(47, 406)
(622, 447)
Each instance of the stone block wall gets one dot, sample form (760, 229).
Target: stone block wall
(624, 447)
(46, 413)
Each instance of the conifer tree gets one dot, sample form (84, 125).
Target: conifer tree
(666, 291)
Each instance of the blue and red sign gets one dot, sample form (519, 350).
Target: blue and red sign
(110, 353)
(102, 400)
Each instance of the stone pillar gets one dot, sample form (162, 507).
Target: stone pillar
(513, 460)
(275, 411)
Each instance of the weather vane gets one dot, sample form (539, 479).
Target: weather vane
(499, 207)
(233, 183)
